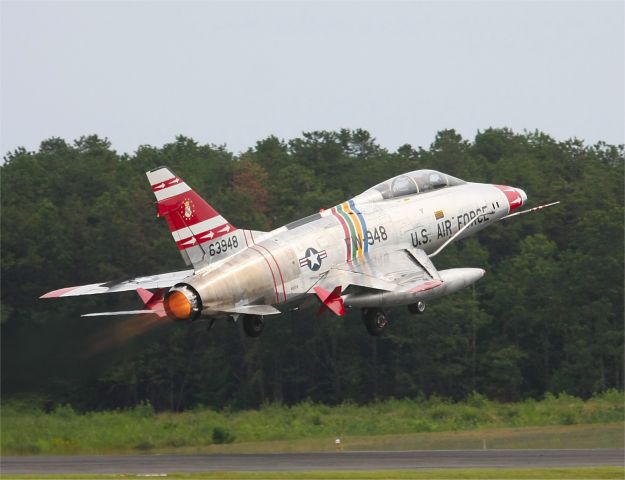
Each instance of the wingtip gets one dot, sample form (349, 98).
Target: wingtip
(57, 293)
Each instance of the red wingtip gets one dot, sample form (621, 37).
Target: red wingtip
(57, 293)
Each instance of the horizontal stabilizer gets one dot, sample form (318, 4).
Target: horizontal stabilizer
(153, 302)
(151, 281)
(124, 312)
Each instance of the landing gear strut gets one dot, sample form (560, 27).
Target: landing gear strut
(375, 320)
(253, 325)
(416, 308)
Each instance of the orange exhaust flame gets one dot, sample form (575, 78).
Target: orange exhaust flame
(123, 332)
(177, 305)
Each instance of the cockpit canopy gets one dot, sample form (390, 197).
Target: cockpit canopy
(419, 181)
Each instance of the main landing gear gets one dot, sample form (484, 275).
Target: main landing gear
(416, 308)
(375, 320)
(253, 325)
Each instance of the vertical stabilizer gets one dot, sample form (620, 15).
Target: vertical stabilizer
(201, 234)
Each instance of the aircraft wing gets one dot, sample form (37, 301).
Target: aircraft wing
(162, 280)
(393, 270)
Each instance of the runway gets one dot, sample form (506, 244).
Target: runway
(311, 461)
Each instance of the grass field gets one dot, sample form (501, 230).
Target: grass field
(442, 474)
(569, 436)
(557, 422)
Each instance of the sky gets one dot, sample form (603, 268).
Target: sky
(236, 72)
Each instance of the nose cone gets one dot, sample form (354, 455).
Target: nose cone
(515, 196)
(523, 196)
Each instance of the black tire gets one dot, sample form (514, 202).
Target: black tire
(375, 320)
(253, 325)
(416, 308)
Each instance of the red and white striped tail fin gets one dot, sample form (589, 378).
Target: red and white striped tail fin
(201, 234)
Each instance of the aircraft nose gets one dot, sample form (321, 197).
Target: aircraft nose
(523, 196)
(515, 196)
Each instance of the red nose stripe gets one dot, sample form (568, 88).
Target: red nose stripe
(514, 197)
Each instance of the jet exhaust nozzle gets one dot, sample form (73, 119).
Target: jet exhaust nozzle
(182, 303)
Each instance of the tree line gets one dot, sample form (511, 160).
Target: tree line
(547, 316)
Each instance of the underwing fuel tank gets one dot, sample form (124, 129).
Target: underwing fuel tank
(451, 280)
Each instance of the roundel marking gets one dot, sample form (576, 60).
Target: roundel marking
(312, 258)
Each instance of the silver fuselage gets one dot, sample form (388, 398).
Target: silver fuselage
(280, 268)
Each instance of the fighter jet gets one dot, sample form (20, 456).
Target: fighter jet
(370, 252)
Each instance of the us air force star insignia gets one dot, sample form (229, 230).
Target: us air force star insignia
(312, 259)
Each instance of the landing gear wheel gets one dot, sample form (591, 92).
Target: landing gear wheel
(253, 325)
(416, 308)
(375, 320)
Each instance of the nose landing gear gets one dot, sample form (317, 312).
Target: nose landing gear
(416, 308)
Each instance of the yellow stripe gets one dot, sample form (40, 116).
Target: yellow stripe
(356, 220)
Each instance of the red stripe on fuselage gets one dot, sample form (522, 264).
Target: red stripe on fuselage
(279, 270)
(345, 231)
(275, 285)
(274, 260)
